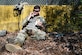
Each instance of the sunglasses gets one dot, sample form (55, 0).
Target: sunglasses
(36, 10)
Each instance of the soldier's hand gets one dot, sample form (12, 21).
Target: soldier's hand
(39, 23)
(31, 15)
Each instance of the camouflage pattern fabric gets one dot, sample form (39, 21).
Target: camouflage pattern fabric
(38, 34)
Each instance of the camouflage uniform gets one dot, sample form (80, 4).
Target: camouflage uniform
(38, 34)
(32, 29)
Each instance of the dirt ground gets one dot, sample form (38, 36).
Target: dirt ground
(35, 47)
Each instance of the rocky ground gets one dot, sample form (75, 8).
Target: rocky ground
(42, 47)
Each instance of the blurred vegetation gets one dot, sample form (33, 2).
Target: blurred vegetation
(64, 18)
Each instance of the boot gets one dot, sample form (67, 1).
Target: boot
(18, 42)
(12, 47)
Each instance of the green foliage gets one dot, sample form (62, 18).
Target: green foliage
(62, 19)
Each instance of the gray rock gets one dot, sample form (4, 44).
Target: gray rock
(3, 33)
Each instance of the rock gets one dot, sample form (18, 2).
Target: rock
(3, 33)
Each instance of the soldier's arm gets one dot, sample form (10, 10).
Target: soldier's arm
(25, 22)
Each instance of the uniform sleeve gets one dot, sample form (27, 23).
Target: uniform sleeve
(25, 21)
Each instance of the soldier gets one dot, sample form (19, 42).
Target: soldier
(31, 23)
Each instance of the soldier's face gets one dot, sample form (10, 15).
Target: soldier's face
(36, 11)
